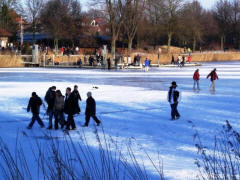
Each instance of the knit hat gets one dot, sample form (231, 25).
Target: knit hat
(174, 83)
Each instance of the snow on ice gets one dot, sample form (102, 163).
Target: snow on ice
(132, 104)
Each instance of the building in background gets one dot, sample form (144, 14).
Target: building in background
(4, 38)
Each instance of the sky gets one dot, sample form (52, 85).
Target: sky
(207, 4)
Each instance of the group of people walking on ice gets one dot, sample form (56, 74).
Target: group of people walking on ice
(59, 105)
(174, 95)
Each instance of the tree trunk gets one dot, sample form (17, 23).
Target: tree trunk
(73, 44)
(34, 32)
(194, 44)
(169, 41)
(130, 40)
(113, 47)
(138, 41)
(56, 44)
(222, 42)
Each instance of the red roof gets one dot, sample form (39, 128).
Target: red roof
(4, 33)
(17, 18)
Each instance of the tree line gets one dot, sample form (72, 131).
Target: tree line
(134, 23)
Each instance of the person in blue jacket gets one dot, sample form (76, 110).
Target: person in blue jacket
(146, 64)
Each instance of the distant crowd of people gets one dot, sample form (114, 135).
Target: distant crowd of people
(181, 60)
(59, 105)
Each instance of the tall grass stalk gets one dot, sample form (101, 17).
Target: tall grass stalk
(72, 157)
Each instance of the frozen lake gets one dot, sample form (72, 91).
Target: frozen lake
(133, 104)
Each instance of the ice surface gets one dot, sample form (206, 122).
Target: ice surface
(132, 104)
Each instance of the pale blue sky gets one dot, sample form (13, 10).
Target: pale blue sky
(208, 4)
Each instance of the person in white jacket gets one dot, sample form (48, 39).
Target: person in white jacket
(173, 99)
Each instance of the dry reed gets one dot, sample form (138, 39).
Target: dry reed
(7, 61)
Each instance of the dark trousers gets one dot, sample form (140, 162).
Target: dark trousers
(59, 118)
(174, 111)
(70, 122)
(87, 118)
(34, 118)
(50, 114)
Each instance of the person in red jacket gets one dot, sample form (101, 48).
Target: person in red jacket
(196, 78)
(213, 76)
(189, 59)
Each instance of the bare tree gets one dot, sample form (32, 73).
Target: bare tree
(62, 20)
(75, 21)
(154, 17)
(235, 4)
(6, 20)
(134, 12)
(163, 15)
(95, 13)
(170, 15)
(30, 9)
(54, 17)
(116, 13)
(222, 14)
(190, 26)
(9, 3)
(210, 29)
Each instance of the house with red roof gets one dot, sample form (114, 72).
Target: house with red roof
(4, 37)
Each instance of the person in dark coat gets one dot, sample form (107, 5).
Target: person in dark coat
(34, 105)
(58, 110)
(90, 110)
(70, 109)
(77, 98)
(172, 62)
(50, 99)
(173, 96)
(214, 77)
(138, 59)
(109, 63)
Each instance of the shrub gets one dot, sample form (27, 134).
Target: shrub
(74, 158)
(222, 162)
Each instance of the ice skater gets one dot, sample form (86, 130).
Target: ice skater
(90, 110)
(34, 105)
(196, 78)
(214, 77)
(173, 99)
